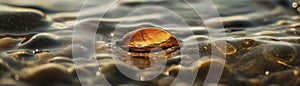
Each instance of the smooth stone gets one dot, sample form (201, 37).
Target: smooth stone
(41, 41)
(248, 44)
(104, 56)
(69, 50)
(293, 32)
(115, 76)
(283, 78)
(241, 81)
(21, 55)
(12, 82)
(281, 53)
(44, 56)
(205, 48)
(67, 62)
(19, 20)
(74, 71)
(166, 81)
(204, 65)
(242, 46)
(60, 60)
(8, 43)
(47, 74)
(173, 70)
(174, 60)
(223, 47)
(267, 57)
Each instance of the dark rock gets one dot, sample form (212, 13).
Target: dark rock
(41, 41)
(284, 78)
(46, 74)
(266, 58)
(21, 22)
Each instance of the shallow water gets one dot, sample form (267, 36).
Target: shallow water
(262, 42)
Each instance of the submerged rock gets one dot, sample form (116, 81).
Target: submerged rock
(46, 74)
(284, 78)
(41, 41)
(7, 43)
(266, 58)
(19, 20)
(115, 76)
(12, 82)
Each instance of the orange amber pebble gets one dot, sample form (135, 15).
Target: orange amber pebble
(143, 42)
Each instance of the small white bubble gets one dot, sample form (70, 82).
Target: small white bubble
(35, 51)
(112, 34)
(295, 5)
(267, 73)
(98, 73)
(298, 9)
(142, 78)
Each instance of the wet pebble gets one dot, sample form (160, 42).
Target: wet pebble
(242, 46)
(16, 21)
(102, 58)
(238, 81)
(174, 60)
(12, 82)
(266, 58)
(173, 70)
(283, 78)
(166, 81)
(41, 41)
(41, 58)
(113, 74)
(282, 53)
(293, 31)
(205, 48)
(60, 60)
(7, 43)
(223, 47)
(20, 55)
(81, 71)
(248, 44)
(46, 74)
(204, 66)
(65, 61)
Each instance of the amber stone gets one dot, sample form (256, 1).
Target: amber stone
(141, 44)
